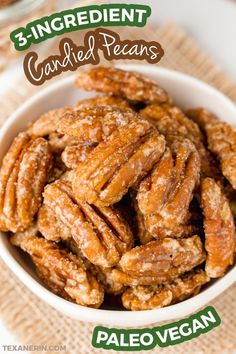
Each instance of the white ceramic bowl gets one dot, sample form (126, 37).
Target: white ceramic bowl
(187, 93)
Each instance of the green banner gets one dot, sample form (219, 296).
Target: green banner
(164, 336)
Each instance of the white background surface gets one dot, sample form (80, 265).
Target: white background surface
(212, 23)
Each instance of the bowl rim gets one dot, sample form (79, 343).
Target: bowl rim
(121, 318)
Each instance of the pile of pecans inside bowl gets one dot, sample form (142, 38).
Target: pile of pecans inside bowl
(122, 194)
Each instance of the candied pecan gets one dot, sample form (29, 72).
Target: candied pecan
(151, 297)
(168, 257)
(101, 233)
(164, 195)
(102, 100)
(93, 124)
(47, 122)
(129, 85)
(73, 155)
(171, 120)
(23, 174)
(175, 125)
(219, 229)
(118, 163)
(64, 273)
(221, 139)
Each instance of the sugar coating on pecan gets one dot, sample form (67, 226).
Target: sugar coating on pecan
(143, 234)
(120, 277)
(47, 122)
(24, 172)
(50, 226)
(103, 100)
(175, 125)
(64, 273)
(118, 163)
(165, 258)
(105, 195)
(221, 139)
(73, 155)
(152, 297)
(104, 275)
(95, 123)
(101, 233)
(129, 85)
(219, 229)
(165, 194)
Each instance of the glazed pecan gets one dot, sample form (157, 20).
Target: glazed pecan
(164, 195)
(95, 123)
(163, 258)
(64, 273)
(103, 100)
(73, 155)
(101, 233)
(47, 122)
(219, 229)
(118, 163)
(24, 172)
(170, 120)
(221, 139)
(151, 297)
(129, 85)
(176, 126)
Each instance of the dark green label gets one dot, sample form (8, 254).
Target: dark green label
(77, 19)
(163, 336)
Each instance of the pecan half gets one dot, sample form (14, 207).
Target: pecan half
(129, 85)
(118, 163)
(63, 273)
(24, 172)
(165, 258)
(95, 123)
(219, 229)
(152, 297)
(164, 196)
(101, 233)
